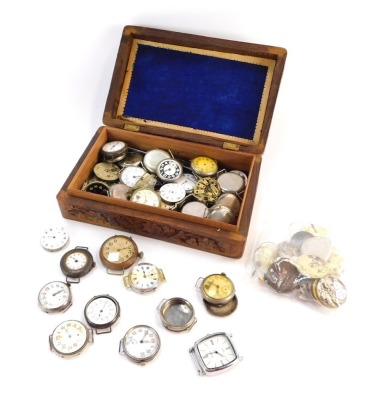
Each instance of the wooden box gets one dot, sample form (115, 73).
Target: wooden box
(196, 96)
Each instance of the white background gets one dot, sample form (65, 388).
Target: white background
(319, 166)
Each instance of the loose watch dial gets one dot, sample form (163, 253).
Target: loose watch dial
(54, 239)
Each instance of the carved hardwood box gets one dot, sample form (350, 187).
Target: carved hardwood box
(192, 96)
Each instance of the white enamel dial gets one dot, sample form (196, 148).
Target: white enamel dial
(54, 239)
(55, 296)
(114, 147)
(102, 311)
(141, 343)
(76, 260)
(172, 192)
(130, 176)
(69, 338)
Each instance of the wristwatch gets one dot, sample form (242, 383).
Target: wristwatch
(132, 158)
(140, 344)
(114, 151)
(76, 263)
(188, 181)
(118, 253)
(144, 278)
(153, 157)
(106, 171)
(130, 175)
(169, 170)
(101, 312)
(55, 296)
(54, 239)
(176, 314)
(214, 353)
(70, 338)
(218, 294)
(204, 166)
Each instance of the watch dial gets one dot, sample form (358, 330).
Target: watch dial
(144, 276)
(172, 192)
(141, 343)
(204, 165)
(114, 147)
(54, 239)
(169, 170)
(188, 181)
(146, 196)
(54, 296)
(102, 311)
(106, 171)
(76, 261)
(131, 175)
(69, 337)
(218, 287)
(216, 351)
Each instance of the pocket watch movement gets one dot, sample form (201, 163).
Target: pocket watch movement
(214, 353)
(70, 338)
(101, 312)
(144, 278)
(207, 190)
(140, 344)
(76, 263)
(118, 253)
(55, 296)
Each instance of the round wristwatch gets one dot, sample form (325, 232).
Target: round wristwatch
(55, 296)
(70, 338)
(101, 312)
(204, 166)
(218, 293)
(214, 353)
(140, 344)
(188, 181)
(76, 263)
(118, 253)
(143, 278)
(169, 170)
(176, 314)
(130, 175)
(114, 151)
(54, 239)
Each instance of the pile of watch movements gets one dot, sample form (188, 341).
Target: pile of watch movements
(306, 265)
(120, 255)
(155, 178)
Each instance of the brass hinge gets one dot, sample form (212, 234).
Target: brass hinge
(231, 146)
(134, 128)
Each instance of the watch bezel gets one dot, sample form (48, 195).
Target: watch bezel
(202, 369)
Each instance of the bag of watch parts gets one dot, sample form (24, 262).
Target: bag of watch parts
(306, 265)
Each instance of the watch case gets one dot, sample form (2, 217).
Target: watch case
(231, 129)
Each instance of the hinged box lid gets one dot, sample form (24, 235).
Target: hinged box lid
(195, 88)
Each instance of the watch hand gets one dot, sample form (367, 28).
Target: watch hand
(59, 291)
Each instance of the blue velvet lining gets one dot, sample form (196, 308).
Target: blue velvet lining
(194, 90)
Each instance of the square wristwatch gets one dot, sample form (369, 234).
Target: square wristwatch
(214, 353)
